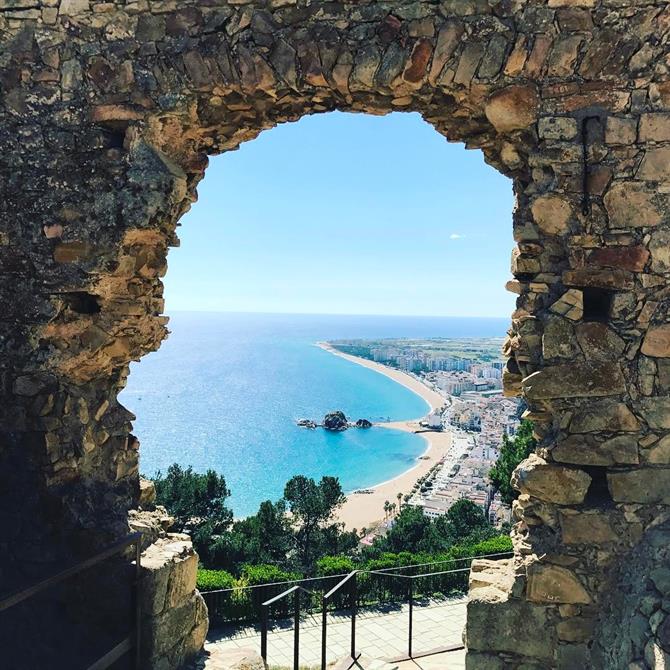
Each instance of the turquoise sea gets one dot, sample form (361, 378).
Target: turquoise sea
(224, 392)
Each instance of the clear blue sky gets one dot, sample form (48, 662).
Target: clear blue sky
(347, 214)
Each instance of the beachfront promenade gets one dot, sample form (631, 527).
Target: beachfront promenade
(464, 454)
(363, 510)
(381, 634)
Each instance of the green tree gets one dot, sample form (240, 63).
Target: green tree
(265, 537)
(512, 452)
(407, 532)
(312, 508)
(197, 501)
(464, 518)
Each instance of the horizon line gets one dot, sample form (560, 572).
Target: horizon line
(265, 313)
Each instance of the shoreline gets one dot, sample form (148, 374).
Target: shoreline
(365, 510)
(432, 398)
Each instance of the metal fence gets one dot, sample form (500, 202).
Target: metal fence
(348, 593)
(130, 643)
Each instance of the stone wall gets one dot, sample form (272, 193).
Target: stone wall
(109, 111)
(174, 614)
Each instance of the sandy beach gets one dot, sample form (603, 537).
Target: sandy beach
(364, 510)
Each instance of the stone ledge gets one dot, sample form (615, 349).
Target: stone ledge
(174, 614)
(495, 617)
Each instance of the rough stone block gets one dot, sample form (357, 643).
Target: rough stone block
(659, 246)
(495, 626)
(599, 342)
(659, 453)
(549, 482)
(475, 661)
(573, 656)
(169, 571)
(513, 108)
(576, 380)
(633, 258)
(177, 635)
(614, 278)
(656, 411)
(620, 131)
(643, 485)
(585, 450)
(495, 576)
(657, 342)
(586, 528)
(575, 630)
(603, 415)
(655, 127)
(654, 166)
(552, 214)
(555, 584)
(632, 205)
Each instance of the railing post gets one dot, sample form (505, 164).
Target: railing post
(324, 625)
(354, 598)
(264, 631)
(296, 630)
(411, 615)
(138, 603)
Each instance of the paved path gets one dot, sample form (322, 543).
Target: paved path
(380, 634)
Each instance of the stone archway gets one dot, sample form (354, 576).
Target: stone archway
(109, 112)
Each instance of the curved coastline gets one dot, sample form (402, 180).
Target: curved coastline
(365, 510)
(430, 397)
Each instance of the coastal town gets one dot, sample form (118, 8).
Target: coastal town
(461, 381)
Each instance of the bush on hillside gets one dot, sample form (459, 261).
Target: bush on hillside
(214, 580)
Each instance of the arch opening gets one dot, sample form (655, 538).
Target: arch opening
(108, 119)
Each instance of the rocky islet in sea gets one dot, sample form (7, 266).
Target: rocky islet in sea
(334, 422)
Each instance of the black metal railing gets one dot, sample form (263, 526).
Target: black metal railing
(394, 584)
(410, 588)
(295, 591)
(131, 643)
(242, 604)
(351, 580)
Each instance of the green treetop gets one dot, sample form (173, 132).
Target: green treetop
(512, 452)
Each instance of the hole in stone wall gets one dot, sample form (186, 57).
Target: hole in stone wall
(524, 277)
(116, 138)
(81, 302)
(339, 227)
(598, 493)
(512, 366)
(597, 304)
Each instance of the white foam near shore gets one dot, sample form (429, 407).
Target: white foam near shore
(365, 510)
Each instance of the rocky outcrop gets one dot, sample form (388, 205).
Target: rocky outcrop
(147, 499)
(335, 421)
(363, 423)
(153, 524)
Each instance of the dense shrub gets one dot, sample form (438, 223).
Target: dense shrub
(242, 604)
(254, 575)
(334, 565)
(213, 580)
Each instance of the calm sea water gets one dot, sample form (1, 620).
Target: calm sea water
(224, 392)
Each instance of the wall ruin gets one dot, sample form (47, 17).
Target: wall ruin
(109, 111)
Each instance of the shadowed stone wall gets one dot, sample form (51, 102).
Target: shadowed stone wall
(109, 111)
